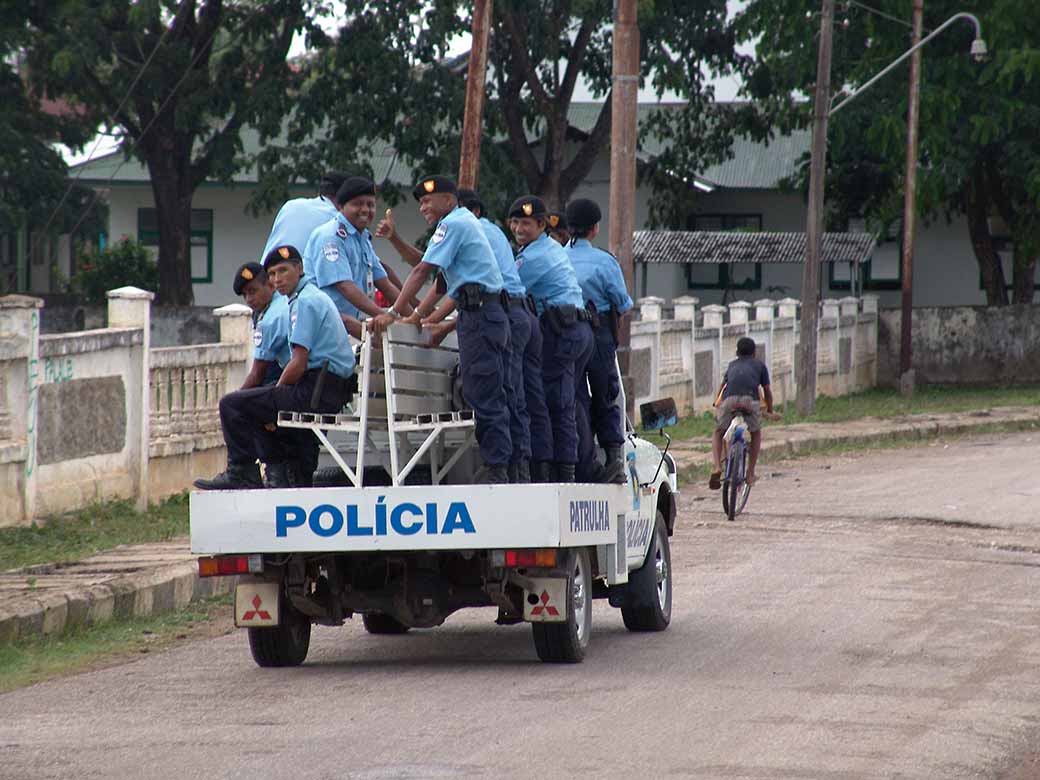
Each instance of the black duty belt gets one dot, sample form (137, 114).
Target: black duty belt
(332, 381)
(517, 301)
(471, 297)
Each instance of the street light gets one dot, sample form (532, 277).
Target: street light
(806, 372)
(978, 53)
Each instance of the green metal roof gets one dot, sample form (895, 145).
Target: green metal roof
(753, 165)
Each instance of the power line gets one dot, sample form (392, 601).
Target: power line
(878, 12)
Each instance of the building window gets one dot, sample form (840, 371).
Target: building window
(1004, 247)
(883, 270)
(201, 240)
(725, 276)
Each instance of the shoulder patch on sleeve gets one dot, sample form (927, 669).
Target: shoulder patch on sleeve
(258, 337)
(331, 251)
(439, 234)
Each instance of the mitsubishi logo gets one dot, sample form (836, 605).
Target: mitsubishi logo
(256, 612)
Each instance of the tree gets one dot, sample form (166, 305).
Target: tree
(194, 75)
(32, 173)
(389, 66)
(977, 151)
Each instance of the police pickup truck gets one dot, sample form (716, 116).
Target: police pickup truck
(408, 555)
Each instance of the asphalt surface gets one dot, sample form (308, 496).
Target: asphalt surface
(871, 616)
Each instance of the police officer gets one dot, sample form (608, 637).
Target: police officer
(297, 218)
(461, 252)
(567, 338)
(557, 228)
(315, 379)
(270, 325)
(529, 427)
(340, 259)
(603, 288)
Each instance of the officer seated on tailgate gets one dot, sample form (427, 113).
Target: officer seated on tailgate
(314, 380)
(270, 309)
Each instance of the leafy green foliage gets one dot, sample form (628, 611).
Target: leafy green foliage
(384, 88)
(977, 151)
(217, 68)
(125, 263)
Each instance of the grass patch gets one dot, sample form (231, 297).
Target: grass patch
(936, 399)
(99, 527)
(35, 659)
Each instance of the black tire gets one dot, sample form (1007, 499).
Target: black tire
(648, 598)
(285, 644)
(330, 476)
(744, 491)
(378, 623)
(732, 481)
(566, 643)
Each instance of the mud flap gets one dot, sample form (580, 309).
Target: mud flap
(256, 604)
(546, 601)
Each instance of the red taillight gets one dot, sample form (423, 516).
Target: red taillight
(541, 558)
(223, 565)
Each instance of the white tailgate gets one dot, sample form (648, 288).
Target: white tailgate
(419, 517)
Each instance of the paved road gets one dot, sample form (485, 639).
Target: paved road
(873, 619)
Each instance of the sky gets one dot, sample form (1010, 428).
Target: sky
(725, 89)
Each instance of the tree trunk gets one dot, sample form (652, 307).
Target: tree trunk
(1024, 279)
(172, 190)
(993, 279)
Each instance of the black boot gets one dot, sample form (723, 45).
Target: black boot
(614, 468)
(523, 472)
(277, 476)
(238, 476)
(513, 467)
(540, 471)
(498, 474)
(564, 472)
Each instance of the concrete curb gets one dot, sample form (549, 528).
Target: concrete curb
(53, 609)
(801, 439)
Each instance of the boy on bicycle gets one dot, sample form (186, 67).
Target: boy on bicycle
(739, 394)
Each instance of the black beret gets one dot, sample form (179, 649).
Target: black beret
(353, 187)
(281, 254)
(529, 206)
(333, 180)
(583, 213)
(470, 199)
(429, 185)
(244, 275)
(556, 220)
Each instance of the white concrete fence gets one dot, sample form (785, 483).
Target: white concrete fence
(99, 415)
(685, 357)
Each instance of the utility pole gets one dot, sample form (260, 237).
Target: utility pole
(623, 137)
(906, 371)
(806, 368)
(473, 119)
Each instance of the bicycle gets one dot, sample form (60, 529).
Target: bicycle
(735, 488)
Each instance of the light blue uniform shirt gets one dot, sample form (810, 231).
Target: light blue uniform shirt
(599, 275)
(548, 275)
(504, 255)
(462, 252)
(337, 252)
(296, 220)
(314, 324)
(271, 337)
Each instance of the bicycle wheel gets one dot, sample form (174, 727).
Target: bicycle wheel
(734, 479)
(744, 489)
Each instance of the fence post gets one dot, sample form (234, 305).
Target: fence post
(20, 341)
(236, 327)
(650, 308)
(129, 307)
(686, 311)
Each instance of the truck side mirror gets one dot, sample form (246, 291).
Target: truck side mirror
(658, 415)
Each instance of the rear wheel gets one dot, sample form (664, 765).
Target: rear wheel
(648, 598)
(285, 644)
(733, 480)
(378, 623)
(744, 489)
(567, 642)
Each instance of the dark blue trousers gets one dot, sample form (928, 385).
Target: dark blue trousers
(564, 356)
(516, 397)
(483, 359)
(604, 389)
(247, 418)
(541, 431)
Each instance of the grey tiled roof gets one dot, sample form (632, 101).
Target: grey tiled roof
(688, 246)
